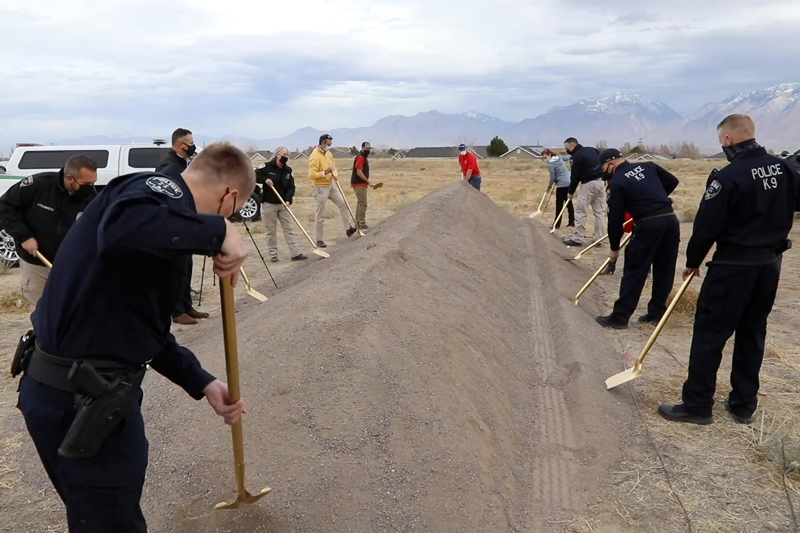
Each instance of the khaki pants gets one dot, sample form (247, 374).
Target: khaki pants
(321, 197)
(590, 194)
(271, 214)
(361, 208)
(32, 281)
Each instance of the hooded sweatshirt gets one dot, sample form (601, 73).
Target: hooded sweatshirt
(559, 174)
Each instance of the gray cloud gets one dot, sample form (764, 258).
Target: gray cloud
(239, 67)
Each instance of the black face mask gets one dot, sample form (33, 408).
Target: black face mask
(283, 159)
(366, 152)
(732, 151)
(83, 192)
(190, 150)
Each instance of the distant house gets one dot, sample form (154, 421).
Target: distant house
(401, 154)
(524, 152)
(259, 157)
(442, 152)
(298, 155)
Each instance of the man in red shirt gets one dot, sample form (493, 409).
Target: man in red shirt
(469, 166)
(359, 180)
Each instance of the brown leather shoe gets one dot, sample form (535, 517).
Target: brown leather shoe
(194, 313)
(184, 320)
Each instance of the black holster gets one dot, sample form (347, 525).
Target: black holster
(24, 350)
(784, 246)
(102, 404)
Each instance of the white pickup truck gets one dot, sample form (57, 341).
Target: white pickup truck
(112, 161)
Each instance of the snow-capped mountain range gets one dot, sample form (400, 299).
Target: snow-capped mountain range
(616, 119)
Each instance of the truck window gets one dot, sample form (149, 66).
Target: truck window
(55, 159)
(146, 157)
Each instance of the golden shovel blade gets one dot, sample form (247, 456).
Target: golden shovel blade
(321, 253)
(378, 186)
(250, 290)
(243, 499)
(535, 214)
(623, 377)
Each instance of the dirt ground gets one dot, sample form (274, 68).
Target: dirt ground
(435, 375)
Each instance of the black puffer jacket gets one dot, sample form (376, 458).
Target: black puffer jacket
(282, 180)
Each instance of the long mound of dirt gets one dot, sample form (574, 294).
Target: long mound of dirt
(431, 376)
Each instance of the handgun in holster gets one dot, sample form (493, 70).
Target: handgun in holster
(102, 404)
(784, 246)
(24, 350)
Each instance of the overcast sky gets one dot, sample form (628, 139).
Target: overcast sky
(264, 69)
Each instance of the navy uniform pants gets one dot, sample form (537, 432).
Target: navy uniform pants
(734, 299)
(184, 304)
(101, 493)
(654, 244)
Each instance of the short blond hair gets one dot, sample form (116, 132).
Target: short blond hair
(221, 162)
(738, 126)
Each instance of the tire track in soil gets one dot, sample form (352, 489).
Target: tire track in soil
(552, 470)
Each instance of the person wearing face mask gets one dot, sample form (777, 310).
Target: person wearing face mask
(359, 180)
(748, 210)
(469, 166)
(177, 159)
(559, 178)
(585, 173)
(39, 210)
(107, 307)
(322, 172)
(278, 174)
(642, 190)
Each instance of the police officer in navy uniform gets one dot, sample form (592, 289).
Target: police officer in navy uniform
(183, 150)
(106, 311)
(39, 210)
(748, 211)
(641, 189)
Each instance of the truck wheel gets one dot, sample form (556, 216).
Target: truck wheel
(8, 249)
(251, 211)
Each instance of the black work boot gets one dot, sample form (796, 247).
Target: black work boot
(649, 319)
(739, 418)
(612, 322)
(679, 413)
(350, 231)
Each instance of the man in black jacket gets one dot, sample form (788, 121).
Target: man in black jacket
(183, 149)
(748, 211)
(585, 172)
(642, 190)
(278, 174)
(39, 210)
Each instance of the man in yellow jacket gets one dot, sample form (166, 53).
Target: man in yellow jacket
(322, 171)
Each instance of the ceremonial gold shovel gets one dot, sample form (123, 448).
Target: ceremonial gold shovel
(377, 186)
(250, 290)
(622, 244)
(357, 225)
(313, 245)
(598, 241)
(232, 368)
(539, 211)
(633, 373)
(43, 259)
(560, 215)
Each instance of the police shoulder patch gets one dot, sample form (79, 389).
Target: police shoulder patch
(27, 181)
(713, 189)
(164, 186)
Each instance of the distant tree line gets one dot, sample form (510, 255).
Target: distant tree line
(677, 150)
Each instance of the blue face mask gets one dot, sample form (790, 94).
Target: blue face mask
(328, 148)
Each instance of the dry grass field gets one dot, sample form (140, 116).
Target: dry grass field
(712, 479)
